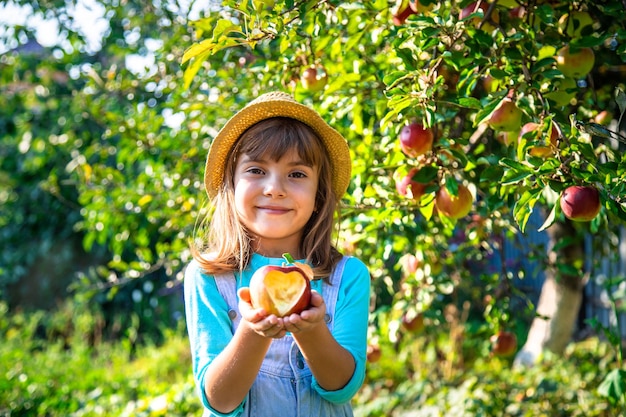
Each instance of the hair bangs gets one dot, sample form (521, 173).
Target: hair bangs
(273, 138)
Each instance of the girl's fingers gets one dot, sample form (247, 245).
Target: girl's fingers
(244, 294)
(316, 299)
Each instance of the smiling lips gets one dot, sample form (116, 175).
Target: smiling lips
(273, 209)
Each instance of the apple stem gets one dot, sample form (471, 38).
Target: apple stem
(288, 258)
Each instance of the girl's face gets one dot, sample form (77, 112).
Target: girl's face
(275, 200)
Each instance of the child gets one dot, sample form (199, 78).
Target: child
(275, 174)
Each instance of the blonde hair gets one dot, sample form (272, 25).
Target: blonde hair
(227, 240)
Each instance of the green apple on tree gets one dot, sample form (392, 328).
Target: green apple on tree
(314, 78)
(575, 62)
(506, 116)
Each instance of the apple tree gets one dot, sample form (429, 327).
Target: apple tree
(465, 119)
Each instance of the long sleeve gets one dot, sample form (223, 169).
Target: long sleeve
(350, 326)
(208, 325)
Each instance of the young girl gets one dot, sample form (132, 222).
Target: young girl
(275, 174)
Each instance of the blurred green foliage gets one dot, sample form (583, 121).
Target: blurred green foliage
(56, 365)
(101, 188)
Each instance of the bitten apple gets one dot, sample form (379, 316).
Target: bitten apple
(415, 139)
(280, 290)
(580, 203)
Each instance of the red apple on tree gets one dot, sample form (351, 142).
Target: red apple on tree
(281, 290)
(415, 139)
(314, 78)
(413, 321)
(506, 116)
(503, 343)
(580, 203)
(408, 187)
(454, 206)
(401, 11)
(409, 263)
(575, 62)
(484, 7)
(373, 353)
(517, 12)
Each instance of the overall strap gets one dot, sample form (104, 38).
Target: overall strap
(227, 287)
(331, 290)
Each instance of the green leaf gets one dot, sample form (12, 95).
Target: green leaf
(568, 269)
(549, 220)
(491, 174)
(524, 207)
(426, 174)
(146, 199)
(512, 163)
(620, 98)
(470, 103)
(394, 77)
(513, 177)
(192, 70)
(198, 50)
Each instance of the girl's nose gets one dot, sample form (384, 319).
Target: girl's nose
(274, 187)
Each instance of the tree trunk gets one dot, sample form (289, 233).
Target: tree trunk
(561, 296)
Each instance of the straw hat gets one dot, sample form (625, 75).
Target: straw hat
(277, 104)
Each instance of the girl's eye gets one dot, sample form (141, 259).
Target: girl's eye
(255, 171)
(298, 174)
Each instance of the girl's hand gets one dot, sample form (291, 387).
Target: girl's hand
(309, 318)
(258, 319)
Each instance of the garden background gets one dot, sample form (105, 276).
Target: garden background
(102, 146)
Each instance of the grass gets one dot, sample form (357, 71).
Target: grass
(54, 373)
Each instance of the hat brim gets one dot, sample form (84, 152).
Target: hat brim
(270, 105)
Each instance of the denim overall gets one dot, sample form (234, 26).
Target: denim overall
(283, 385)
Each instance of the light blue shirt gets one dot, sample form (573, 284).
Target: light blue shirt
(209, 328)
